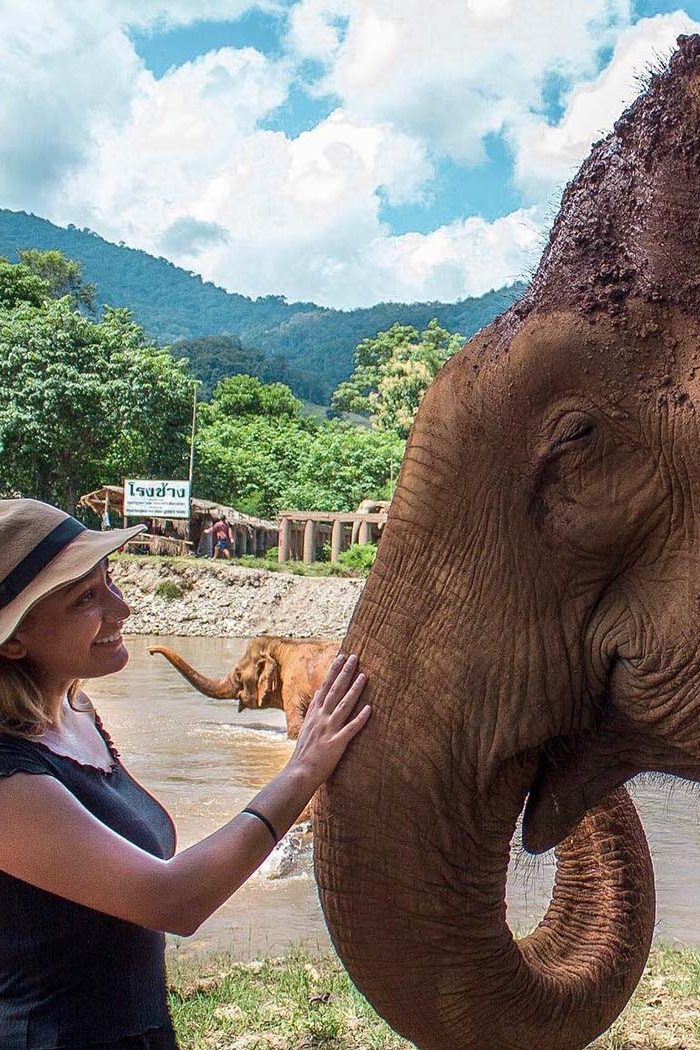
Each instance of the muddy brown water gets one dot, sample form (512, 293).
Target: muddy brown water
(204, 761)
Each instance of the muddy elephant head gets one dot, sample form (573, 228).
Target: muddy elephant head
(541, 570)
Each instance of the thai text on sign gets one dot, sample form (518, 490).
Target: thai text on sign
(156, 499)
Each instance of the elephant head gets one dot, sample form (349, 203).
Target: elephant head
(259, 675)
(541, 570)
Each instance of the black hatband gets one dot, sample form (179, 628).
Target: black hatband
(37, 559)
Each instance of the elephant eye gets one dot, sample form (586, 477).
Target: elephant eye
(575, 430)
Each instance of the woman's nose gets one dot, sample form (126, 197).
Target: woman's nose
(117, 607)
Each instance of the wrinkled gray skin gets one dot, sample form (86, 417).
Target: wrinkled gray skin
(541, 569)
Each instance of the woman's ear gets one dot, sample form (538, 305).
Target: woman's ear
(13, 649)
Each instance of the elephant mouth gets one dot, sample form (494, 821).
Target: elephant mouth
(576, 772)
(566, 785)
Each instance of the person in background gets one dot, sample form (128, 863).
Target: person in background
(222, 537)
(89, 876)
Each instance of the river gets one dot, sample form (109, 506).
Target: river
(204, 761)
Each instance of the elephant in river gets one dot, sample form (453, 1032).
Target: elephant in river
(273, 672)
(531, 627)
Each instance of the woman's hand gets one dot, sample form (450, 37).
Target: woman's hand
(330, 722)
(49, 839)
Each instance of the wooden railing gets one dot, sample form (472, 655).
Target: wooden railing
(150, 544)
(301, 531)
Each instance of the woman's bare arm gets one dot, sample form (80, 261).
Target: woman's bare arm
(50, 840)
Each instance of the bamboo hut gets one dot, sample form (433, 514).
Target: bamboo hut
(179, 536)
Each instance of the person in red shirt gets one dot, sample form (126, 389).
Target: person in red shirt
(222, 537)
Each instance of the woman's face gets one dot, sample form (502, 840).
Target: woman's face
(76, 631)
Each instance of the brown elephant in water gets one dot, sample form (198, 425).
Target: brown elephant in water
(273, 672)
(531, 627)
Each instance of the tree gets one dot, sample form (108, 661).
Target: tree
(392, 372)
(82, 403)
(244, 395)
(63, 276)
(214, 357)
(342, 465)
(19, 285)
(154, 400)
(262, 459)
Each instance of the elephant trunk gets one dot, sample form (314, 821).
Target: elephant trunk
(411, 858)
(226, 688)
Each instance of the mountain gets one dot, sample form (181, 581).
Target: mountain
(308, 346)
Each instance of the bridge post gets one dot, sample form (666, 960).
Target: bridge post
(310, 543)
(284, 540)
(336, 539)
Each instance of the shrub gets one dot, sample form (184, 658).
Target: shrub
(171, 590)
(360, 556)
(272, 554)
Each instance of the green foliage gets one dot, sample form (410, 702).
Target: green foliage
(171, 590)
(265, 464)
(244, 395)
(306, 346)
(393, 371)
(63, 276)
(215, 356)
(302, 1001)
(19, 285)
(296, 568)
(83, 403)
(359, 556)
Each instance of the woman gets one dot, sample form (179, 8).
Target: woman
(88, 879)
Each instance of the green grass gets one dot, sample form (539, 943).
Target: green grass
(306, 1002)
(664, 1012)
(170, 590)
(297, 568)
(300, 1001)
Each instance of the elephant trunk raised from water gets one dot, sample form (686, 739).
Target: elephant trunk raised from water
(531, 627)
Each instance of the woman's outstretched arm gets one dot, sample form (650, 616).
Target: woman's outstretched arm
(50, 840)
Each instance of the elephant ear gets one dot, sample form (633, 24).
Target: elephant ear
(268, 673)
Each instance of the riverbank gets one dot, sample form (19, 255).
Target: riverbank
(308, 1003)
(202, 598)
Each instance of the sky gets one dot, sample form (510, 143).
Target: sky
(343, 152)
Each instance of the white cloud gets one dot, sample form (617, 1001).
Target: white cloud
(168, 14)
(297, 211)
(453, 75)
(60, 76)
(547, 156)
(314, 28)
(464, 258)
(182, 164)
(352, 261)
(182, 132)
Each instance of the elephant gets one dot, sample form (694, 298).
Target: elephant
(273, 672)
(531, 626)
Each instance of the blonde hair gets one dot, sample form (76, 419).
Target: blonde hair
(23, 708)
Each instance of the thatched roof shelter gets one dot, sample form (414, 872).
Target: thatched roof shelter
(252, 535)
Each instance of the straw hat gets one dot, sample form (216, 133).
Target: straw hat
(41, 549)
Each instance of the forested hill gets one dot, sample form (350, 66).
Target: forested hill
(313, 345)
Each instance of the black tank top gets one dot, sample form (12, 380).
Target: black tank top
(71, 976)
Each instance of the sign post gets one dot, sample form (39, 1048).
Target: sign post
(156, 499)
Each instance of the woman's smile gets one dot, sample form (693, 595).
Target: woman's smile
(112, 639)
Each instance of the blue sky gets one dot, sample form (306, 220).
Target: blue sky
(343, 151)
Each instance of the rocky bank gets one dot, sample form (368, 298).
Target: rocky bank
(216, 599)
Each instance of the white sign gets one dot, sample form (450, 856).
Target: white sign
(156, 499)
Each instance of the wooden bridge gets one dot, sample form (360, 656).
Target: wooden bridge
(302, 532)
